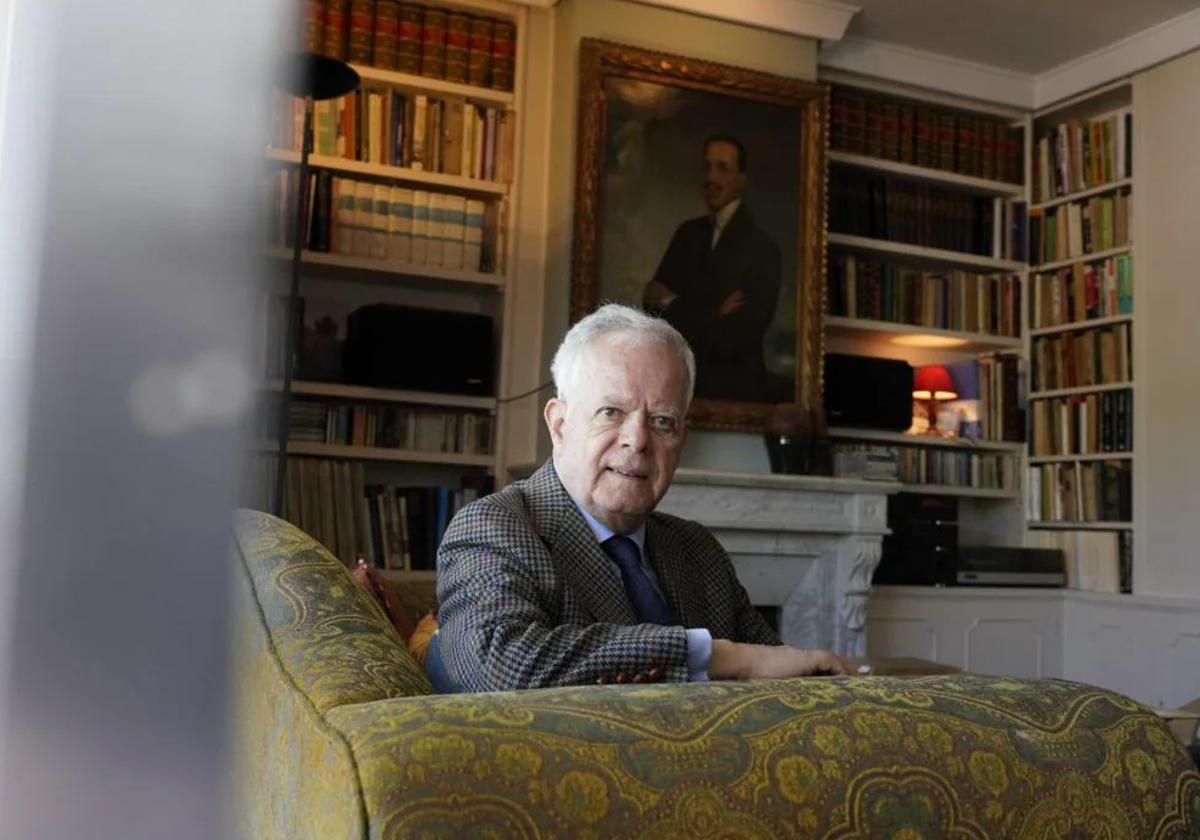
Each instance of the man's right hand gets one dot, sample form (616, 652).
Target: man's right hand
(737, 661)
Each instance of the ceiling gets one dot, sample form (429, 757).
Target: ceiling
(1024, 36)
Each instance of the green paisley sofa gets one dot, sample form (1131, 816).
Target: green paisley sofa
(340, 737)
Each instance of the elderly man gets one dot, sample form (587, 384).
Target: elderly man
(571, 577)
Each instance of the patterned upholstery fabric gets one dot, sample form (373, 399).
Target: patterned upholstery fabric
(938, 757)
(331, 637)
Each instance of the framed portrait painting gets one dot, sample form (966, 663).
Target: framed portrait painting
(700, 197)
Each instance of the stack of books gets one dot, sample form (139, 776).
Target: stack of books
(1081, 154)
(1099, 561)
(420, 428)
(1078, 228)
(1082, 425)
(1091, 491)
(1083, 291)
(1082, 358)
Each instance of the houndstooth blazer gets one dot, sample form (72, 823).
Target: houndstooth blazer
(527, 598)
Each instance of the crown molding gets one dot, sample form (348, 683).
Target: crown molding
(930, 70)
(947, 74)
(823, 19)
(1138, 52)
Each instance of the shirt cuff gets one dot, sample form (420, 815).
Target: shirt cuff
(699, 651)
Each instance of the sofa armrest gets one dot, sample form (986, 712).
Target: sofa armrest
(994, 757)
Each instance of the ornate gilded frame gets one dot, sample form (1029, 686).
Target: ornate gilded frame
(601, 59)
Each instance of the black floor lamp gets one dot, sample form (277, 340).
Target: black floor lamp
(312, 77)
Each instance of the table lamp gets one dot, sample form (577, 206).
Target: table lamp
(933, 384)
(312, 77)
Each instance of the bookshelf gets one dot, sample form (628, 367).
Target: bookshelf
(924, 265)
(1082, 285)
(415, 188)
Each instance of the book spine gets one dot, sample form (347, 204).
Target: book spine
(381, 209)
(420, 227)
(435, 250)
(473, 234)
(385, 34)
(408, 39)
(455, 231)
(400, 218)
(433, 43)
(458, 43)
(479, 55)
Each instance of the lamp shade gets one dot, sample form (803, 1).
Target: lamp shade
(933, 382)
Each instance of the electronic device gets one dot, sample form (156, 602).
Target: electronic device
(868, 392)
(922, 549)
(390, 346)
(1001, 566)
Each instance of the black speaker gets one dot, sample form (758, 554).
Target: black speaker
(404, 347)
(868, 392)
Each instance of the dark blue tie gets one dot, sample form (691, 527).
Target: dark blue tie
(648, 605)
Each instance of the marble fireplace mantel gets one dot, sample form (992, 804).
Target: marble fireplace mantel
(805, 544)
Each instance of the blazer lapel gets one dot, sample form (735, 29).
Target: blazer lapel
(675, 573)
(576, 555)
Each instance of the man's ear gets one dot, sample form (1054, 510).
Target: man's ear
(555, 414)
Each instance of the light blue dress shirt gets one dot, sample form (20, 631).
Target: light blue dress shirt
(699, 640)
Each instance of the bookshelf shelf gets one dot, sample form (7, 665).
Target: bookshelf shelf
(883, 329)
(392, 173)
(1082, 325)
(1085, 258)
(426, 84)
(1084, 389)
(377, 453)
(1081, 526)
(337, 390)
(906, 439)
(380, 270)
(934, 255)
(923, 173)
(965, 492)
(1090, 191)
(1091, 456)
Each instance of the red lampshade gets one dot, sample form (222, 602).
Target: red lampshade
(933, 382)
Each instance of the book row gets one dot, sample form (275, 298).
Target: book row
(1080, 154)
(873, 125)
(392, 223)
(1097, 356)
(899, 210)
(1081, 292)
(1082, 425)
(1078, 228)
(1099, 561)
(407, 523)
(1080, 491)
(420, 428)
(390, 527)
(989, 404)
(440, 43)
(419, 132)
(924, 465)
(861, 287)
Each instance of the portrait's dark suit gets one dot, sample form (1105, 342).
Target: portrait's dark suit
(728, 348)
(527, 598)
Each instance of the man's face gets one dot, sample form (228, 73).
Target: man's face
(722, 181)
(618, 436)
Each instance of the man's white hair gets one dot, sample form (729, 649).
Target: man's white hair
(634, 326)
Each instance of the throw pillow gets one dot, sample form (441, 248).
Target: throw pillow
(418, 642)
(369, 578)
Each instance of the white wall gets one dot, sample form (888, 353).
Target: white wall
(1167, 328)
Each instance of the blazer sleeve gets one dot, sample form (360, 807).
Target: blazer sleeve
(497, 605)
(748, 624)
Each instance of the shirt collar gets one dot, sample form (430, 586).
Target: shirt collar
(726, 213)
(602, 532)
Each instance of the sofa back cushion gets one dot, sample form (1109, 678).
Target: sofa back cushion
(333, 641)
